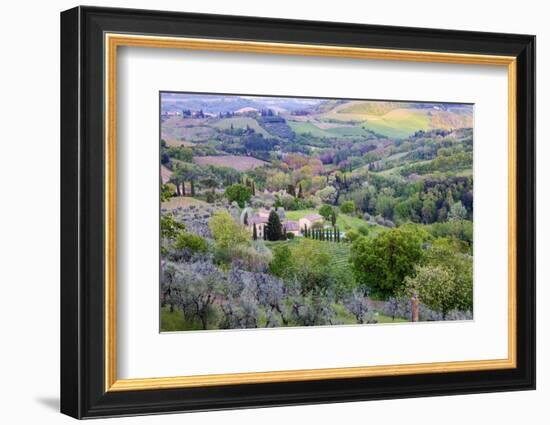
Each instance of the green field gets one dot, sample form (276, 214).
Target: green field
(307, 128)
(339, 252)
(399, 123)
(348, 131)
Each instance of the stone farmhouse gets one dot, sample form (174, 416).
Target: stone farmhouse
(310, 220)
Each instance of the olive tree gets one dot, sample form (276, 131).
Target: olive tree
(194, 287)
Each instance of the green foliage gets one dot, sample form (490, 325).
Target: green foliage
(327, 194)
(459, 229)
(347, 207)
(167, 191)
(274, 228)
(169, 227)
(333, 218)
(181, 153)
(291, 203)
(458, 212)
(440, 164)
(282, 264)
(385, 205)
(326, 211)
(444, 283)
(191, 242)
(435, 287)
(174, 320)
(382, 263)
(238, 193)
(352, 235)
(312, 267)
(226, 231)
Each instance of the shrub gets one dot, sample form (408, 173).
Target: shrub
(249, 258)
(238, 193)
(351, 235)
(167, 191)
(225, 231)
(438, 289)
(169, 227)
(326, 211)
(190, 242)
(328, 194)
(347, 207)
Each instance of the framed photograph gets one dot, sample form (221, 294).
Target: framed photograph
(261, 212)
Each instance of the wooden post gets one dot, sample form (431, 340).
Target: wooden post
(414, 308)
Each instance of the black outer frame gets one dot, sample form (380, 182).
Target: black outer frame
(82, 207)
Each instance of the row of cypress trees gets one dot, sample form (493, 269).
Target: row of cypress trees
(329, 235)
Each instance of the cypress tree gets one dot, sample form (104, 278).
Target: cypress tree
(305, 230)
(265, 233)
(291, 190)
(254, 232)
(333, 218)
(274, 227)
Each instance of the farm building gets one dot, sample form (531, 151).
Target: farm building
(310, 220)
(291, 227)
(264, 213)
(258, 221)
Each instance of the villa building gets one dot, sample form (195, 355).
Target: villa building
(309, 220)
(291, 227)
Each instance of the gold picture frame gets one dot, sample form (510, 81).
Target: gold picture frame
(113, 41)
